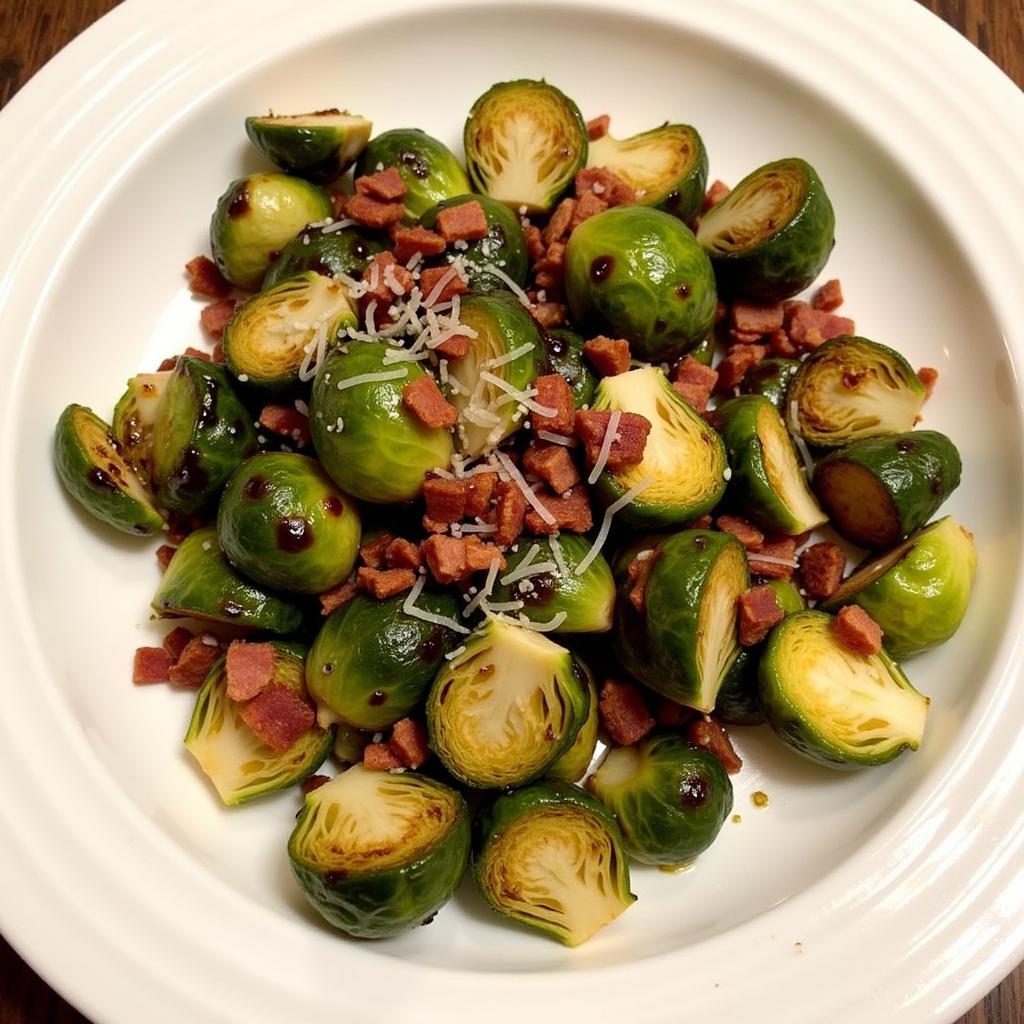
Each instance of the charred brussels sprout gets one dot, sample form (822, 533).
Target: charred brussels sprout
(832, 706)
(851, 388)
(507, 708)
(573, 764)
(429, 168)
(565, 354)
(551, 857)
(329, 253)
(771, 379)
(256, 217)
(771, 235)
(918, 593)
(238, 763)
(134, 417)
(639, 274)
(377, 853)
(668, 799)
(94, 472)
(525, 141)
(319, 146)
(880, 490)
(372, 446)
(684, 461)
(201, 435)
(372, 663)
(200, 584)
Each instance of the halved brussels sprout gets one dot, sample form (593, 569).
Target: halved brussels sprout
(525, 141)
(770, 237)
(684, 459)
(669, 799)
(94, 472)
(200, 584)
(667, 167)
(851, 388)
(277, 333)
(767, 480)
(488, 411)
(832, 706)
(134, 417)
(551, 857)
(238, 763)
(378, 853)
(573, 764)
(588, 599)
(372, 663)
(684, 641)
(320, 146)
(201, 435)
(704, 353)
(565, 354)
(430, 170)
(506, 709)
(880, 490)
(639, 274)
(918, 592)
(372, 446)
(330, 253)
(771, 378)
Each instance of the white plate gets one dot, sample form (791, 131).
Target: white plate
(890, 894)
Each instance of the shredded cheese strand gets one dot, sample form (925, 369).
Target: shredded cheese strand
(517, 478)
(567, 442)
(372, 378)
(544, 627)
(410, 608)
(490, 268)
(606, 446)
(508, 357)
(606, 524)
(485, 590)
(522, 397)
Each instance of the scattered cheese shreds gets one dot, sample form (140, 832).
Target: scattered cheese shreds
(519, 573)
(517, 478)
(372, 378)
(517, 395)
(544, 627)
(606, 524)
(490, 268)
(559, 554)
(772, 559)
(485, 590)
(508, 357)
(606, 446)
(510, 576)
(410, 608)
(567, 442)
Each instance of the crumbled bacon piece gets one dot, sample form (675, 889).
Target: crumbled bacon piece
(250, 669)
(510, 512)
(445, 557)
(609, 356)
(446, 499)
(176, 641)
(639, 571)
(743, 530)
(627, 448)
(776, 548)
(198, 353)
(372, 212)
(821, 569)
(623, 712)
(384, 583)
(479, 491)
(715, 194)
(829, 296)
(379, 757)
(808, 328)
(780, 345)
(409, 241)
(479, 555)
(454, 285)
(151, 665)
(558, 226)
(169, 363)
(333, 599)
(756, 320)
(571, 511)
(204, 278)
(465, 222)
(197, 658)
(216, 315)
(553, 464)
(597, 127)
(286, 421)
(694, 383)
(164, 554)
(670, 715)
(549, 314)
(423, 398)
(928, 376)
(373, 552)
(387, 186)
(606, 184)
(708, 733)
(409, 742)
(403, 554)
(278, 716)
(739, 360)
(535, 247)
(554, 393)
(383, 282)
(857, 631)
(338, 200)
(453, 348)
(701, 523)
(758, 611)
(588, 205)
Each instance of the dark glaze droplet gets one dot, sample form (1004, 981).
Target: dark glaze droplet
(601, 268)
(432, 646)
(231, 609)
(660, 326)
(101, 480)
(700, 543)
(542, 591)
(239, 203)
(333, 505)
(360, 249)
(906, 445)
(208, 403)
(415, 163)
(556, 346)
(190, 475)
(256, 487)
(377, 698)
(683, 291)
(294, 534)
(693, 792)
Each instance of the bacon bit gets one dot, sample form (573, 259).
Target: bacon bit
(624, 712)
(554, 393)
(479, 555)
(164, 554)
(286, 421)
(588, 205)
(338, 200)
(387, 186)
(151, 665)
(465, 222)
(216, 315)
(780, 345)
(808, 328)
(743, 530)
(510, 512)
(278, 716)
(821, 569)
(708, 733)
(670, 715)
(928, 376)
(176, 641)
(198, 353)
(313, 783)
(752, 319)
(701, 523)
(571, 512)
(609, 356)
(455, 347)
(597, 127)
(333, 599)
(857, 631)
(382, 293)
(433, 526)
(423, 398)
(204, 278)
(639, 571)
(179, 526)
(612, 189)
(374, 551)
(553, 464)
(446, 499)
(454, 286)
(385, 583)
(250, 669)
(379, 757)
(403, 554)
(759, 610)
(197, 658)
(721, 312)
(829, 296)
(445, 557)
(479, 491)
(737, 363)
(549, 314)
(535, 247)
(372, 212)
(715, 194)
(409, 241)
(558, 227)
(694, 383)
(218, 353)
(630, 439)
(409, 742)
(774, 547)
(169, 363)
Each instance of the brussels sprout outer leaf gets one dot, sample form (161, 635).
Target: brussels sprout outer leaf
(330, 253)
(319, 147)
(771, 379)
(565, 354)
(134, 417)
(573, 764)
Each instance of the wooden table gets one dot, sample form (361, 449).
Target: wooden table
(32, 31)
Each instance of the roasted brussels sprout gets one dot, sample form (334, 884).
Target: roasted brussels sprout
(704, 353)
(551, 857)
(94, 472)
(256, 217)
(918, 592)
(832, 706)
(134, 417)
(349, 743)
(669, 799)
(851, 388)
(767, 481)
(573, 764)
(429, 168)
(525, 141)
(345, 251)
(506, 709)
(372, 663)
(667, 167)
(771, 379)
(565, 354)
(319, 147)
(684, 641)
(684, 460)
(880, 490)
(771, 235)
(378, 853)
(200, 584)
(201, 435)
(372, 446)
(639, 274)
(238, 763)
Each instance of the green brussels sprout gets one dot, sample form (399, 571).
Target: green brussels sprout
(880, 490)
(770, 237)
(669, 799)
(667, 167)
(565, 354)
(378, 853)
(134, 418)
(238, 763)
(320, 147)
(202, 433)
(573, 764)
(683, 642)
(767, 481)
(832, 706)
(525, 141)
(372, 663)
(349, 743)
(346, 251)
(771, 379)
(95, 473)
(684, 462)
(256, 217)
(488, 411)
(918, 592)
(704, 353)
(430, 170)
(851, 388)
(276, 336)
(372, 446)
(507, 708)
(587, 598)
(200, 584)
(551, 857)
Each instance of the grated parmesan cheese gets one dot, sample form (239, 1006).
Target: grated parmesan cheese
(606, 524)
(338, 225)
(559, 555)
(523, 397)
(509, 357)
(567, 442)
(494, 271)
(543, 627)
(517, 478)
(410, 608)
(606, 446)
(372, 378)
(485, 590)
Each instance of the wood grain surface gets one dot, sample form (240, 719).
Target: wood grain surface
(32, 31)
